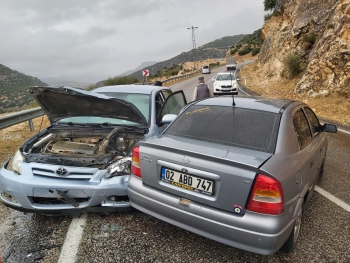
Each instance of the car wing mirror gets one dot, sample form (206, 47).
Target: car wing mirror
(168, 118)
(330, 128)
(238, 79)
(213, 79)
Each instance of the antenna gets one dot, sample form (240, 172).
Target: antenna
(233, 97)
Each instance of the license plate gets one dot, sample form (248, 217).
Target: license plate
(186, 181)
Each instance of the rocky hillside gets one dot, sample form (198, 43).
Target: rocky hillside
(315, 36)
(14, 89)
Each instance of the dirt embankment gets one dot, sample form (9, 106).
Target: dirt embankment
(332, 107)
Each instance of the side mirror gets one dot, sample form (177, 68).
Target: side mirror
(168, 118)
(238, 79)
(213, 79)
(329, 128)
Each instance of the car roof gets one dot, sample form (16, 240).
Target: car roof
(139, 89)
(251, 102)
(225, 73)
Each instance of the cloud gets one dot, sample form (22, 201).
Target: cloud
(97, 39)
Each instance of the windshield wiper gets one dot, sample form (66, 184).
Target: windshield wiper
(71, 124)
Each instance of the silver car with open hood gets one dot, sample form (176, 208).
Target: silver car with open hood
(82, 161)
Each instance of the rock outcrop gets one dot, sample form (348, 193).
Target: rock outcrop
(318, 31)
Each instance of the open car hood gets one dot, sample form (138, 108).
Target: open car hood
(64, 102)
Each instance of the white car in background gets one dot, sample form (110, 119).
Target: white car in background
(225, 83)
(206, 70)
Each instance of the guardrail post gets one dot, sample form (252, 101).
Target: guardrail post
(31, 126)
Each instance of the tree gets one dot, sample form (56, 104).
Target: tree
(269, 4)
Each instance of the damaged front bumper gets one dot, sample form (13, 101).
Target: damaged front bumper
(42, 188)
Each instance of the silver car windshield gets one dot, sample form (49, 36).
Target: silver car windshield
(225, 77)
(140, 101)
(244, 128)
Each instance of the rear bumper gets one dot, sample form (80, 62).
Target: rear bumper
(238, 231)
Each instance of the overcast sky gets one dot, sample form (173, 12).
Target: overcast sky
(90, 40)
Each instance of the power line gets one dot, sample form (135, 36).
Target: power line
(178, 10)
(167, 16)
(194, 44)
(168, 10)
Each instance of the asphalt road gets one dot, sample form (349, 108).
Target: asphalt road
(137, 237)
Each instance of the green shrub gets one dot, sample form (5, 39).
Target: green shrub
(120, 80)
(268, 16)
(255, 51)
(233, 51)
(309, 40)
(269, 4)
(293, 64)
(91, 87)
(245, 50)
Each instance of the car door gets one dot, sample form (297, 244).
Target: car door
(319, 144)
(307, 148)
(172, 105)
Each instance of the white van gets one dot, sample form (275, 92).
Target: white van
(206, 70)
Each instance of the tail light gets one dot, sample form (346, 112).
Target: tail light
(135, 162)
(266, 196)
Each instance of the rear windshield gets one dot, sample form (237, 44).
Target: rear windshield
(245, 128)
(204, 67)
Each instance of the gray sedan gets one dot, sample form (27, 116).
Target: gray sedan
(82, 161)
(237, 171)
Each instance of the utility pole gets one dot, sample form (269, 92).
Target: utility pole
(194, 44)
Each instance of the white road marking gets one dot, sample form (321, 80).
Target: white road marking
(71, 244)
(334, 199)
(341, 130)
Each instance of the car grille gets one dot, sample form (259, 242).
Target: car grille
(54, 201)
(70, 175)
(226, 86)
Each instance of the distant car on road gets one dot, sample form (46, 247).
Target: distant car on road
(225, 83)
(240, 174)
(82, 161)
(206, 70)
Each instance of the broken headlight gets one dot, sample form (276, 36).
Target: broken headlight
(15, 164)
(120, 167)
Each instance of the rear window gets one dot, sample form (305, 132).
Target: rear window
(245, 128)
(205, 67)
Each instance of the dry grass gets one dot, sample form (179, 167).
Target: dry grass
(13, 137)
(333, 107)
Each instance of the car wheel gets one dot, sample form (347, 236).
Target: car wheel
(290, 243)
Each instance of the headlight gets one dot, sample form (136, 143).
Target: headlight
(120, 167)
(217, 85)
(235, 85)
(15, 164)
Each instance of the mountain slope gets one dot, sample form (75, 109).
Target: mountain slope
(139, 68)
(214, 49)
(14, 89)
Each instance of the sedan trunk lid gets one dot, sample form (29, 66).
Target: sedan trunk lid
(215, 175)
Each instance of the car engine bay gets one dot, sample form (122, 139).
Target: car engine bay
(92, 148)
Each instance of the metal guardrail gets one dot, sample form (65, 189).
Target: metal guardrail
(22, 116)
(180, 77)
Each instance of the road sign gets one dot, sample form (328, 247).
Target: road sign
(145, 72)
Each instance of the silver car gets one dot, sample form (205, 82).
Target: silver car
(82, 161)
(237, 171)
(225, 83)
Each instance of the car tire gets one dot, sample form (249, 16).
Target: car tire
(290, 243)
